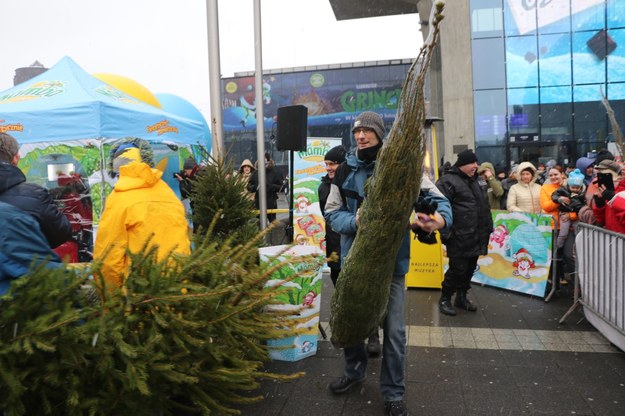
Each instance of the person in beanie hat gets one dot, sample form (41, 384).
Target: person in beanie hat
(332, 159)
(570, 199)
(466, 157)
(469, 234)
(341, 212)
(369, 133)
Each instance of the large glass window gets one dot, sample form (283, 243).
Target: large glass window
(588, 14)
(519, 17)
(588, 61)
(521, 62)
(486, 18)
(522, 112)
(616, 59)
(555, 59)
(616, 91)
(555, 95)
(488, 64)
(590, 119)
(493, 154)
(490, 117)
(553, 16)
(616, 13)
(556, 121)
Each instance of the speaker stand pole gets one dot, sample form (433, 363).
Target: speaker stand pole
(288, 229)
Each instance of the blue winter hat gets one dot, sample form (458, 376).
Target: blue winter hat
(576, 178)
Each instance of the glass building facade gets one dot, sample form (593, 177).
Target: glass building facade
(540, 68)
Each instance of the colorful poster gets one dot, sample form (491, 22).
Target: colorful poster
(519, 253)
(308, 223)
(303, 298)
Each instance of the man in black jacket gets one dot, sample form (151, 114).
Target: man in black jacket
(273, 179)
(469, 234)
(30, 197)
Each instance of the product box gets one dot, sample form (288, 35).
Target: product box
(303, 291)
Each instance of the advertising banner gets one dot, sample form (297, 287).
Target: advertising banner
(309, 168)
(519, 253)
(303, 298)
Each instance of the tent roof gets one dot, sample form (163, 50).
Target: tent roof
(66, 103)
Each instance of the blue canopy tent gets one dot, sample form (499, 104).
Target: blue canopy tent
(65, 120)
(66, 103)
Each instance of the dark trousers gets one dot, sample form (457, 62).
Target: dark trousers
(458, 276)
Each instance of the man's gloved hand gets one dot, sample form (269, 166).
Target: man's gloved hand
(424, 207)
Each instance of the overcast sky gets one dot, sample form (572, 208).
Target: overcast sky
(162, 44)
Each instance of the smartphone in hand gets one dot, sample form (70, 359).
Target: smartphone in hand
(605, 179)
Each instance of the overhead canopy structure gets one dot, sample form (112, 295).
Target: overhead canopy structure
(66, 103)
(67, 121)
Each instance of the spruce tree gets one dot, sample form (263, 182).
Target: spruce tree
(187, 334)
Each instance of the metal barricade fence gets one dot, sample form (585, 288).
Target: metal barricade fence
(600, 282)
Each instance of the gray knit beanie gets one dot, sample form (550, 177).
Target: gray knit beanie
(370, 120)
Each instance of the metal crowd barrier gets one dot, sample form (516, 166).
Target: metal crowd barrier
(600, 282)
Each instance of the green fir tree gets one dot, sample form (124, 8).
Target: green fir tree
(181, 335)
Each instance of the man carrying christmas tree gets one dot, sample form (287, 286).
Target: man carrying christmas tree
(347, 193)
(141, 207)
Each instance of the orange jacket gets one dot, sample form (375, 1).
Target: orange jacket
(550, 207)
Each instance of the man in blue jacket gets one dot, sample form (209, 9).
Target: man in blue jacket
(30, 197)
(347, 193)
(22, 244)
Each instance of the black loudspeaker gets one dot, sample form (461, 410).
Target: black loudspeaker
(292, 126)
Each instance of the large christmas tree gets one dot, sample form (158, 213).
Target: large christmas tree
(185, 334)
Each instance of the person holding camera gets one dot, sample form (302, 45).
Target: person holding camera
(186, 176)
(609, 198)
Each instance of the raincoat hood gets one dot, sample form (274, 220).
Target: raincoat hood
(137, 175)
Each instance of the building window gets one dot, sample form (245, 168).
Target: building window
(521, 61)
(555, 60)
(490, 117)
(486, 18)
(588, 14)
(488, 64)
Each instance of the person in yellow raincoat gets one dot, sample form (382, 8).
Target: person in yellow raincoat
(141, 206)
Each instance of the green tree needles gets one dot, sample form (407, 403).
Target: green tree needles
(187, 334)
(362, 291)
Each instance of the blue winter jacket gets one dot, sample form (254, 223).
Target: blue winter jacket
(346, 195)
(22, 244)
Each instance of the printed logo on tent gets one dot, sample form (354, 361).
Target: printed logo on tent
(42, 89)
(116, 95)
(315, 151)
(10, 127)
(162, 127)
